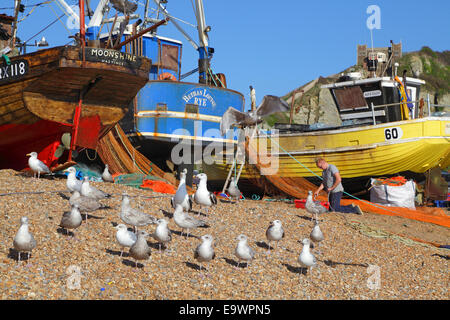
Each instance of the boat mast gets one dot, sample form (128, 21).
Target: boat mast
(16, 15)
(82, 25)
(205, 53)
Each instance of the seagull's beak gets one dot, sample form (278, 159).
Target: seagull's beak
(28, 154)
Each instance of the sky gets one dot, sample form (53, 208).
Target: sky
(275, 46)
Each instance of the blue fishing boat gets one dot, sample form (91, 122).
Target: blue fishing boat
(169, 111)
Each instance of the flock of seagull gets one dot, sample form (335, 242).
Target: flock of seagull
(86, 198)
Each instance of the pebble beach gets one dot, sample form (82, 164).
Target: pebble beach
(361, 256)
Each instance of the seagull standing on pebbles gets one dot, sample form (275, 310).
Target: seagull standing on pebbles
(243, 250)
(314, 207)
(36, 165)
(89, 191)
(124, 237)
(275, 232)
(133, 216)
(85, 204)
(202, 196)
(181, 195)
(205, 251)
(233, 190)
(106, 176)
(306, 258)
(71, 219)
(140, 249)
(185, 221)
(73, 184)
(24, 240)
(316, 234)
(162, 233)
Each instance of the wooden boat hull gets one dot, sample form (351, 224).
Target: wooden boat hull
(39, 93)
(359, 153)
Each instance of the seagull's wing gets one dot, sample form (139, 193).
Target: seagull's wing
(229, 118)
(42, 166)
(193, 221)
(124, 6)
(271, 104)
(213, 198)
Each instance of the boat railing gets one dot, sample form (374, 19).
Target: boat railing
(429, 105)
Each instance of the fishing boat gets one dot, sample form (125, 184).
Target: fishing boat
(59, 100)
(384, 132)
(169, 111)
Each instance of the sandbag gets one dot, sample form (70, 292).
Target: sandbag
(401, 195)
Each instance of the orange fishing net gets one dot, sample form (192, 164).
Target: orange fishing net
(159, 186)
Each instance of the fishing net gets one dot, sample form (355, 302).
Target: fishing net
(132, 166)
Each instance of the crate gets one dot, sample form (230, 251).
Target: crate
(300, 203)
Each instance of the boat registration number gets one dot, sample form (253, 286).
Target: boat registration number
(393, 133)
(15, 70)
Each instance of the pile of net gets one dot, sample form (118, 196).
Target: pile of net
(145, 181)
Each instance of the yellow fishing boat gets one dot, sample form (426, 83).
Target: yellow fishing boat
(410, 146)
(384, 132)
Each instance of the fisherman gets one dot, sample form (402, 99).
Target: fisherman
(331, 183)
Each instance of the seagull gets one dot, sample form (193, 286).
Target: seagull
(181, 196)
(124, 6)
(202, 196)
(140, 249)
(306, 259)
(205, 251)
(71, 219)
(314, 207)
(316, 234)
(106, 176)
(124, 237)
(162, 233)
(185, 221)
(132, 216)
(73, 184)
(233, 189)
(24, 240)
(36, 165)
(243, 250)
(268, 106)
(92, 192)
(85, 204)
(275, 232)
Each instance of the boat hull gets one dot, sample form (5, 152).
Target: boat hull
(170, 112)
(41, 92)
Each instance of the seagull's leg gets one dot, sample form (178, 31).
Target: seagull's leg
(159, 248)
(268, 251)
(39, 174)
(18, 261)
(121, 251)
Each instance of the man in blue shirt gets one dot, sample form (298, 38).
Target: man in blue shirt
(331, 183)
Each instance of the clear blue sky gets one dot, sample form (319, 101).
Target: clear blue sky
(277, 46)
